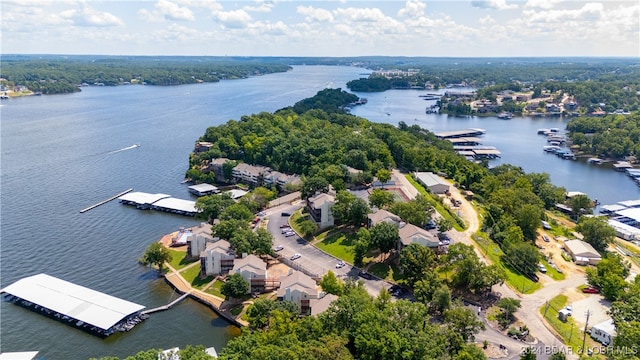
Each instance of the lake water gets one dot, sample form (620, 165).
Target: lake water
(62, 153)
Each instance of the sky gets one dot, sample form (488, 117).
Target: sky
(454, 28)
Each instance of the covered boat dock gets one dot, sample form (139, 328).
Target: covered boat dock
(160, 202)
(460, 133)
(89, 310)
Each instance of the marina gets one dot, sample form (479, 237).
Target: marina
(75, 305)
(472, 132)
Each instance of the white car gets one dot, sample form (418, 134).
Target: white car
(278, 248)
(291, 233)
(295, 256)
(340, 264)
(569, 309)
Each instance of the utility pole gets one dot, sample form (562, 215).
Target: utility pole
(584, 336)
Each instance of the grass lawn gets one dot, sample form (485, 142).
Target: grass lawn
(236, 310)
(514, 279)
(179, 259)
(298, 217)
(192, 276)
(441, 209)
(339, 244)
(215, 289)
(632, 251)
(385, 271)
(551, 272)
(570, 332)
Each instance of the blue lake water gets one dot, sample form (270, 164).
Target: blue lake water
(62, 153)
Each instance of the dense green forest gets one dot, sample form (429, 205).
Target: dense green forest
(62, 75)
(615, 136)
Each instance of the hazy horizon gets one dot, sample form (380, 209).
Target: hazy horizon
(261, 28)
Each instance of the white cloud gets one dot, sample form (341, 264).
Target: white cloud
(173, 11)
(235, 19)
(166, 10)
(542, 4)
(86, 16)
(412, 9)
(361, 14)
(261, 6)
(487, 20)
(493, 4)
(266, 28)
(314, 14)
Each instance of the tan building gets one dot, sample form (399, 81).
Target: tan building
(253, 270)
(217, 258)
(319, 207)
(411, 234)
(303, 291)
(582, 252)
(382, 216)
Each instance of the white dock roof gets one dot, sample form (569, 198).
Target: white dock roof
(177, 204)
(143, 198)
(630, 203)
(204, 187)
(76, 301)
(22, 355)
(631, 213)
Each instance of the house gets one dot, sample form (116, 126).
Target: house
(582, 252)
(197, 241)
(303, 291)
(319, 207)
(217, 166)
(217, 258)
(433, 182)
(202, 146)
(411, 234)
(253, 270)
(604, 332)
(249, 174)
(382, 216)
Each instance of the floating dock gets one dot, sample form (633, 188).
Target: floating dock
(168, 306)
(160, 202)
(471, 132)
(105, 201)
(75, 305)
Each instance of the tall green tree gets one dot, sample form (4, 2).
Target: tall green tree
(156, 255)
(211, 206)
(463, 321)
(331, 284)
(596, 231)
(235, 287)
(384, 236)
(380, 198)
(416, 262)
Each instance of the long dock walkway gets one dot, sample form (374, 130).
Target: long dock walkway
(105, 201)
(168, 306)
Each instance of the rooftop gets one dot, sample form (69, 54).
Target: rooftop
(76, 301)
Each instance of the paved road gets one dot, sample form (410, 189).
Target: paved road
(312, 259)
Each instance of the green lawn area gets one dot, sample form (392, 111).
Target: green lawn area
(551, 272)
(338, 244)
(514, 280)
(192, 276)
(298, 217)
(570, 332)
(236, 310)
(385, 271)
(215, 289)
(631, 250)
(441, 209)
(179, 259)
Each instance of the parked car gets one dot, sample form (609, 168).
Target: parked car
(430, 225)
(278, 248)
(545, 238)
(340, 264)
(284, 226)
(285, 214)
(295, 256)
(286, 230)
(542, 268)
(290, 233)
(569, 309)
(590, 290)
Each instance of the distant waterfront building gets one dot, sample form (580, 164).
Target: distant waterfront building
(303, 291)
(433, 182)
(253, 270)
(217, 258)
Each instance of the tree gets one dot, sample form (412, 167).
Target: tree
(362, 245)
(308, 228)
(529, 218)
(383, 175)
(416, 261)
(236, 212)
(262, 243)
(380, 198)
(417, 211)
(441, 300)
(156, 255)
(262, 196)
(312, 185)
(384, 236)
(425, 288)
(580, 204)
(350, 209)
(227, 228)
(522, 256)
(463, 321)
(235, 287)
(211, 206)
(259, 313)
(331, 284)
(509, 306)
(609, 276)
(596, 231)
(444, 224)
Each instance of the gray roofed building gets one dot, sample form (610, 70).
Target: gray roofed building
(582, 252)
(433, 182)
(411, 234)
(320, 209)
(253, 270)
(382, 215)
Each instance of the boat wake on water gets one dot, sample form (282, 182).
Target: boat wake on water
(134, 146)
